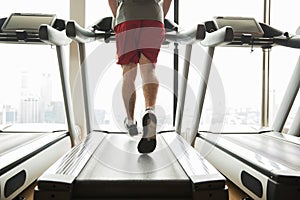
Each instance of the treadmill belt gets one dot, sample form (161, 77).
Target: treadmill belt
(285, 153)
(116, 166)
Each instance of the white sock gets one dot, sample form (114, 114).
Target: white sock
(150, 108)
(130, 122)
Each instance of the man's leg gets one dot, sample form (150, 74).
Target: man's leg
(147, 143)
(150, 82)
(129, 95)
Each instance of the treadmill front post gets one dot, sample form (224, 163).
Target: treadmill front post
(67, 94)
(49, 35)
(84, 78)
(219, 37)
(201, 93)
(288, 99)
(182, 89)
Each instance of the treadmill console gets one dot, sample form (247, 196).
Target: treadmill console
(240, 25)
(247, 32)
(29, 23)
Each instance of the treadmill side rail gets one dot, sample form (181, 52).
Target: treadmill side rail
(204, 177)
(61, 175)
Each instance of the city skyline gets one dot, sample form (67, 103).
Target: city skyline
(35, 94)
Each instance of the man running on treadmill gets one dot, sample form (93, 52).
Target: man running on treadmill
(139, 33)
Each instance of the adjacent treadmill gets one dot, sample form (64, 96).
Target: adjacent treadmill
(265, 164)
(27, 150)
(107, 165)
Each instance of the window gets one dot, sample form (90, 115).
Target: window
(240, 71)
(241, 80)
(29, 79)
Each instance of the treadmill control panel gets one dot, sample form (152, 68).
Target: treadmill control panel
(29, 23)
(240, 25)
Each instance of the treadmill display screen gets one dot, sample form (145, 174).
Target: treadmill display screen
(240, 25)
(27, 22)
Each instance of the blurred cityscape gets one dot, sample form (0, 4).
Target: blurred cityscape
(39, 107)
(34, 107)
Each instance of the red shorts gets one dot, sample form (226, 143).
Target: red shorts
(138, 36)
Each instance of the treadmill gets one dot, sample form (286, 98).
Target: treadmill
(263, 163)
(27, 150)
(107, 165)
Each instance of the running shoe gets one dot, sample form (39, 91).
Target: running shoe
(132, 128)
(147, 143)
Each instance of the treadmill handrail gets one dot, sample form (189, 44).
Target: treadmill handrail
(187, 36)
(53, 36)
(288, 41)
(80, 34)
(219, 37)
(84, 35)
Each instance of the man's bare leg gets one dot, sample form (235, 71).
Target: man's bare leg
(150, 82)
(147, 143)
(129, 95)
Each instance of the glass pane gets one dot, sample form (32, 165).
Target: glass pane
(96, 10)
(283, 60)
(34, 94)
(192, 13)
(29, 80)
(239, 69)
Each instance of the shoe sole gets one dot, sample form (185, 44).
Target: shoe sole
(147, 144)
